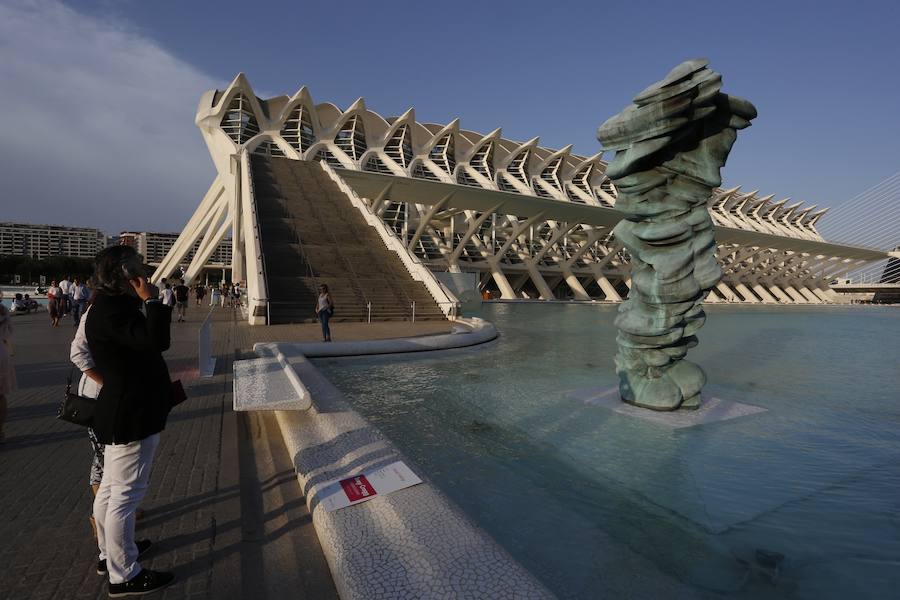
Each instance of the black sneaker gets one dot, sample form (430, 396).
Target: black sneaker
(142, 546)
(145, 582)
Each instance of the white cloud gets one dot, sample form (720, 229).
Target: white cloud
(97, 123)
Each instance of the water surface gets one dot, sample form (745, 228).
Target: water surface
(597, 503)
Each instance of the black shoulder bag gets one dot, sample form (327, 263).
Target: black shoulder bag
(76, 409)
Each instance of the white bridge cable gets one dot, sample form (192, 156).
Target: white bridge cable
(874, 204)
(865, 197)
(864, 216)
(863, 202)
(869, 219)
(869, 205)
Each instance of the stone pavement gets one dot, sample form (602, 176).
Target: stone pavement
(224, 507)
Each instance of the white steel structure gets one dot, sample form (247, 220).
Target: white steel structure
(534, 222)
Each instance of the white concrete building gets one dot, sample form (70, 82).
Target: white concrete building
(531, 221)
(41, 241)
(154, 246)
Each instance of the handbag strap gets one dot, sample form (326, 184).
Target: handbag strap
(69, 379)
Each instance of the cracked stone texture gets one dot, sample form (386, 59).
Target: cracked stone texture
(670, 147)
(413, 543)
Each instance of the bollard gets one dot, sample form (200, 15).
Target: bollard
(414, 311)
(369, 310)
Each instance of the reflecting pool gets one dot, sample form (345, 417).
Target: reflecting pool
(600, 504)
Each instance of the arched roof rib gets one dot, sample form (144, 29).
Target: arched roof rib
(574, 178)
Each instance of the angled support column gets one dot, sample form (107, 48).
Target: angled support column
(474, 226)
(807, 293)
(779, 293)
(609, 291)
(763, 293)
(192, 232)
(237, 232)
(823, 295)
(795, 295)
(519, 282)
(506, 290)
(423, 224)
(539, 282)
(746, 293)
(574, 284)
(378, 203)
(727, 292)
(712, 297)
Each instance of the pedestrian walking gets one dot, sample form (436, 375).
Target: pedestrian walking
(181, 299)
(200, 292)
(324, 310)
(7, 372)
(214, 296)
(131, 410)
(167, 296)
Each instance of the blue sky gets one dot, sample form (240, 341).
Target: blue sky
(823, 75)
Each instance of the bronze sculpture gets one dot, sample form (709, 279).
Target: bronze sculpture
(670, 146)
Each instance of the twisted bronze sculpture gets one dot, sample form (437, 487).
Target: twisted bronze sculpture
(670, 146)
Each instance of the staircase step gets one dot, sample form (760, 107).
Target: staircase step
(312, 235)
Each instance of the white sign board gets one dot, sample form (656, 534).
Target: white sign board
(365, 486)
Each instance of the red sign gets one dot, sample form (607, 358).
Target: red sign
(357, 488)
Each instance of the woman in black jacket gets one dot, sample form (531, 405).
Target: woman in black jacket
(131, 410)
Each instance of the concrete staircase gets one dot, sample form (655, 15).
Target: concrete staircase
(312, 235)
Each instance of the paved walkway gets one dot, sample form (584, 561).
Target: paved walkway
(224, 506)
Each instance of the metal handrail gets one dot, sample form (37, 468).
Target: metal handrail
(337, 251)
(262, 255)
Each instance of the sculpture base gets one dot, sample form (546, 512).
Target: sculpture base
(711, 410)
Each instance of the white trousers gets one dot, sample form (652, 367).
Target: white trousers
(126, 475)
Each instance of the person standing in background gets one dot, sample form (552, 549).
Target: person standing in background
(324, 310)
(66, 286)
(80, 296)
(182, 293)
(7, 371)
(54, 295)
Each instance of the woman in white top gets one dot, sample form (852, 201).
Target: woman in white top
(324, 310)
(89, 387)
(54, 303)
(7, 372)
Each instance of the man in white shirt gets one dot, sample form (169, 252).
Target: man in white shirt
(65, 300)
(80, 294)
(167, 296)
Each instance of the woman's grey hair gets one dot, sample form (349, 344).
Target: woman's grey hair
(110, 265)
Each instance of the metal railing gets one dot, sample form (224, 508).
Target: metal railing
(260, 293)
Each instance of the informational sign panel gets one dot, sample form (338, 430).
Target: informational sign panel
(365, 486)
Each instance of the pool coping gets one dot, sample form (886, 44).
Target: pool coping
(412, 543)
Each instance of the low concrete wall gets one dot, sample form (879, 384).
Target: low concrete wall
(466, 332)
(413, 543)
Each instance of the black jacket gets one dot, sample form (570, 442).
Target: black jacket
(127, 350)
